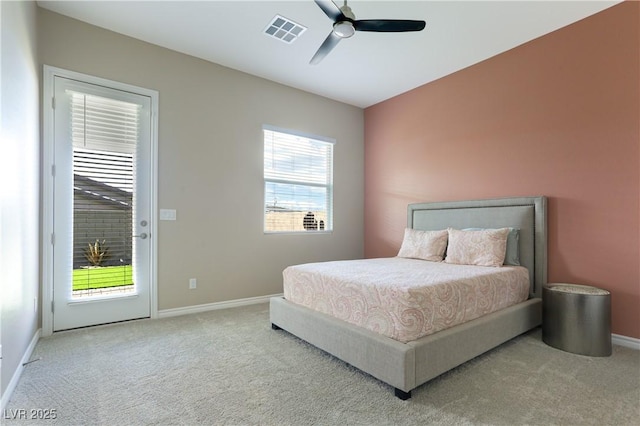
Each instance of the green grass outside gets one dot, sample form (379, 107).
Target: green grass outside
(102, 277)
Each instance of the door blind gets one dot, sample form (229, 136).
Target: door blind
(102, 123)
(104, 137)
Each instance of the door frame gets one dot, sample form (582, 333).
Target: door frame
(47, 170)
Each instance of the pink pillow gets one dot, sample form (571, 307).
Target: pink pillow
(483, 247)
(425, 245)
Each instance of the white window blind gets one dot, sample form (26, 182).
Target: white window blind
(104, 135)
(102, 123)
(298, 182)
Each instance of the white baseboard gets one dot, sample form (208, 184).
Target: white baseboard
(165, 313)
(16, 375)
(625, 341)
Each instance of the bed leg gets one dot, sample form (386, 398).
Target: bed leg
(402, 394)
(275, 327)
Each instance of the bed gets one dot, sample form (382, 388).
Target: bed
(407, 362)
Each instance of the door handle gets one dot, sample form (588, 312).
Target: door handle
(142, 236)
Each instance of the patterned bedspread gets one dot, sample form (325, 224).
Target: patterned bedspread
(404, 299)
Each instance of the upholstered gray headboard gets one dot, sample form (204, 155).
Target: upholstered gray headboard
(528, 214)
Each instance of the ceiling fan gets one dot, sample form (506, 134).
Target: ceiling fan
(345, 25)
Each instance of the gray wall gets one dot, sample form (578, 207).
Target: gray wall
(111, 226)
(211, 162)
(20, 176)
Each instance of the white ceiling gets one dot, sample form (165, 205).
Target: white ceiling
(363, 70)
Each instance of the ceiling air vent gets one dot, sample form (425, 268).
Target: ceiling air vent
(284, 29)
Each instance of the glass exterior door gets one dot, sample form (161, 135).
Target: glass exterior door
(102, 205)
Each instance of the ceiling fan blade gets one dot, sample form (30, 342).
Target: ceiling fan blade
(389, 25)
(330, 9)
(327, 46)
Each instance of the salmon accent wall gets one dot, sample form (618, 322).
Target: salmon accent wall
(558, 116)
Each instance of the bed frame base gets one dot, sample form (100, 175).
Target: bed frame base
(404, 366)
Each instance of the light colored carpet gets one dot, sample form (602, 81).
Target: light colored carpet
(229, 367)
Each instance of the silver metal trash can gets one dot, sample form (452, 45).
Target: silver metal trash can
(577, 318)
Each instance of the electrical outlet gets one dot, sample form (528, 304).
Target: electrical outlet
(192, 283)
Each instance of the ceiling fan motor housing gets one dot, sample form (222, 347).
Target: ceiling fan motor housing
(344, 29)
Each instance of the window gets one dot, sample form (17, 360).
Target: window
(298, 182)
(104, 135)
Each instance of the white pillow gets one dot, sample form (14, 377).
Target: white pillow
(512, 254)
(483, 247)
(425, 245)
